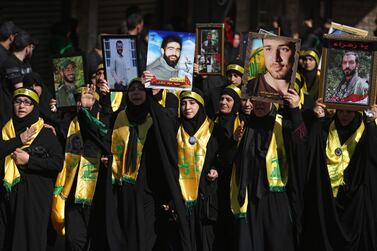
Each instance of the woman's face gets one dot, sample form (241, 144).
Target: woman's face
(189, 107)
(247, 106)
(226, 104)
(22, 106)
(136, 94)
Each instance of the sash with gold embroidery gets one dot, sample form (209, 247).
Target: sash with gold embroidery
(191, 157)
(338, 156)
(120, 138)
(11, 173)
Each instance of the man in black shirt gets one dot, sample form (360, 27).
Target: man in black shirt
(8, 30)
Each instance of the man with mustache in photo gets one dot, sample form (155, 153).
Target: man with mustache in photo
(351, 87)
(65, 92)
(165, 67)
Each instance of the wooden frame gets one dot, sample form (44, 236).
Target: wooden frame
(255, 66)
(65, 96)
(129, 59)
(358, 93)
(339, 29)
(210, 62)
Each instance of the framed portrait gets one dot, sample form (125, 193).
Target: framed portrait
(120, 60)
(170, 58)
(348, 72)
(270, 66)
(68, 77)
(210, 48)
(340, 29)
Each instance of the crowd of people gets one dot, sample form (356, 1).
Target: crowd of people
(206, 169)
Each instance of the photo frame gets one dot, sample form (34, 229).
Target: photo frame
(210, 48)
(348, 72)
(262, 72)
(120, 57)
(340, 29)
(170, 58)
(69, 75)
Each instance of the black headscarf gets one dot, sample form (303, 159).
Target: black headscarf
(20, 124)
(136, 114)
(192, 125)
(344, 132)
(252, 153)
(226, 121)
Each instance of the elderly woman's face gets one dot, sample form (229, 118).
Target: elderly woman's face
(22, 106)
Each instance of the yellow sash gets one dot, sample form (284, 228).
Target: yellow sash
(119, 145)
(276, 168)
(191, 159)
(237, 122)
(88, 168)
(11, 173)
(87, 174)
(116, 100)
(339, 156)
(162, 102)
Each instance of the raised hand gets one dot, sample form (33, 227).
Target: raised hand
(292, 98)
(239, 132)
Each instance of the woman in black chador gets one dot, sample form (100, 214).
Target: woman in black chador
(188, 149)
(340, 196)
(267, 176)
(31, 158)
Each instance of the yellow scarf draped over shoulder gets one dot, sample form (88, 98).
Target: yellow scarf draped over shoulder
(11, 174)
(120, 138)
(75, 163)
(88, 167)
(116, 100)
(339, 156)
(191, 159)
(276, 168)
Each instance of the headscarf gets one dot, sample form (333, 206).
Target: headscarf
(136, 115)
(192, 125)
(226, 121)
(252, 153)
(20, 124)
(347, 131)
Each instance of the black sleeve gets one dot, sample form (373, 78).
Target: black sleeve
(8, 146)
(298, 126)
(172, 104)
(90, 133)
(54, 160)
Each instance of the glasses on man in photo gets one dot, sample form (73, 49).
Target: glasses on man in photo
(26, 102)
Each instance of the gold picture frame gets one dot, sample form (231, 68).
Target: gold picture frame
(343, 55)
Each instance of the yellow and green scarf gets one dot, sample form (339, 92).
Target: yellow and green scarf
(276, 167)
(191, 159)
(120, 138)
(338, 156)
(11, 174)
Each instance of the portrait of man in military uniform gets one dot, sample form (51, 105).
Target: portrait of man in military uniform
(66, 90)
(352, 88)
(68, 77)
